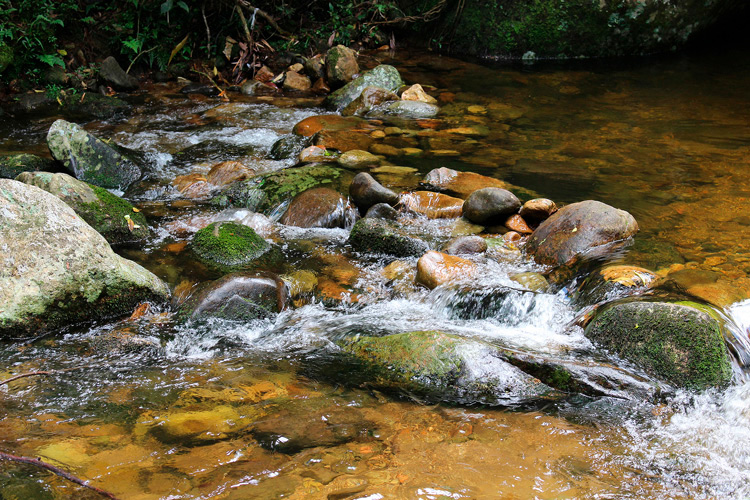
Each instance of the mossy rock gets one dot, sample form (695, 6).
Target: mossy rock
(383, 76)
(13, 165)
(266, 192)
(94, 106)
(110, 215)
(679, 343)
(385, 237)
(228, 244)
(441, 367)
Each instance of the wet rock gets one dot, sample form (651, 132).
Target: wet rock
(90, 159)
(365, 192)
(314, 67)
(383, 76)
(357, 159)
(384, 237)
(228, 244)
(113, 75)
(412, 109)
(288, 146)
(432, 205)
(531, 281)
(238, 297)
(518, 224)
(200, 89)
(228, 172)
(195, 427)
(255, 88)
(466, 245)
(113, 217)
(192, 186)
(615, 281)
(537, 210)
(320, 87)
(57, 269)
(490, 204)
(436, 268)
(263, 75)
(13, 165)
(579, 232)
(91, 106)
(460, 184)
(680, 343)
(343, 140)
(314, 124)
(316, 154)
(369, 99)
(341, 65)
(382, 211)
(417, 93)
(441, 367)
(296, 82)
(385, 150)
(269, 191)
(320, 207)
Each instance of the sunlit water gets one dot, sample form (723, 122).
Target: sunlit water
(658, 139)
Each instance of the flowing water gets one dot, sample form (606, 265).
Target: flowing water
(273, 416)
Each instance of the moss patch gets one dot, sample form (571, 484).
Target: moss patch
(110, 218)
(228, 244)
(380, 236)
(13, 165)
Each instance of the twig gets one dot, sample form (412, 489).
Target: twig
(55, 470)
(264, 15)
(139, 55)
(426, 17)
(208, 30)
(37, 373)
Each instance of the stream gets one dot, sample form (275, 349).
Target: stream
(666, 139)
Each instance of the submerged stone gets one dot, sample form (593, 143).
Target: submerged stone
(681, 343)
(460, 184)
(412, 109)
(57, 270)
(432, 205)
(90, 159)
(113, 217)
(228, 244)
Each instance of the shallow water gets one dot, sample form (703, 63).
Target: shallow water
(667, 140)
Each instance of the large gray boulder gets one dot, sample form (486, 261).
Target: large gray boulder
(90, 159)
(113, 75)
(383, 76)
(56, 270)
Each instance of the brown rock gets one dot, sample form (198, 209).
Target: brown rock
(417, 93)
(385, 150)
(295, 81)
(460, 184)
(357, 159)
(432, 205)
(367, 100)
(264, 75)
(192, 186)
(537, 210)
(512, 237)
(297, 68)
(320, 207)
(228, 172)
(321, 87)
(466, 245)
(344, 140)
(517, 224)
(366, 192)
(341, 65)
(435, 269)
(314, 124)
(316, 154)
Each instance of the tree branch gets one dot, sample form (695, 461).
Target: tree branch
(264, 15)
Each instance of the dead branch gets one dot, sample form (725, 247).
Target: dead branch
(55, 470)
(264, 15)
(430, 15)
(38, 373)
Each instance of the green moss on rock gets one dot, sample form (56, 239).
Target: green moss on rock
(382, 236)
(13, 165)
(228, 244)
(678, 343)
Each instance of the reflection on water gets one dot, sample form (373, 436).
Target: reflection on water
(216, 409)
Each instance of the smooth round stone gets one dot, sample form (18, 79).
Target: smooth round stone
(382, 211)
(466, 245)
(488, 204)
(365, 192)
(537, 210)
(436, 268)
(532, 281)
(517, 224)
(357, 159)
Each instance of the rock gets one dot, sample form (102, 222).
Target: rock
(91, 106)
(341, 65)
(369, 99)
(195, 427)
(417, 93)
(297, 67)
(320, 87)
(110, 215)
(228, 244)
(343, 140)
(436, 268)
(460, 184)
(90, 159)
(295, 81)
(580, 231)
(440, 367)
(385, 150)
(365, 192)
(517, 224)
(382, 211)
(113, 75)
(255, 88)
(316, 154)
(288, 146)
(532, 281)
(680, 343)
(314, 67)
(228, 172)
(383, 76)
(314, 124)
(384, 237)
(490, 204)
(12, 165)
(200, 89)
(614, 282)
(356, 159)
(192, 186)
(57, 270)
(432, 205)
(537, 210)
(412, 109)
(320, 207)
(269, 191)
(238, 297)
(263, 75)
(465, 245)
